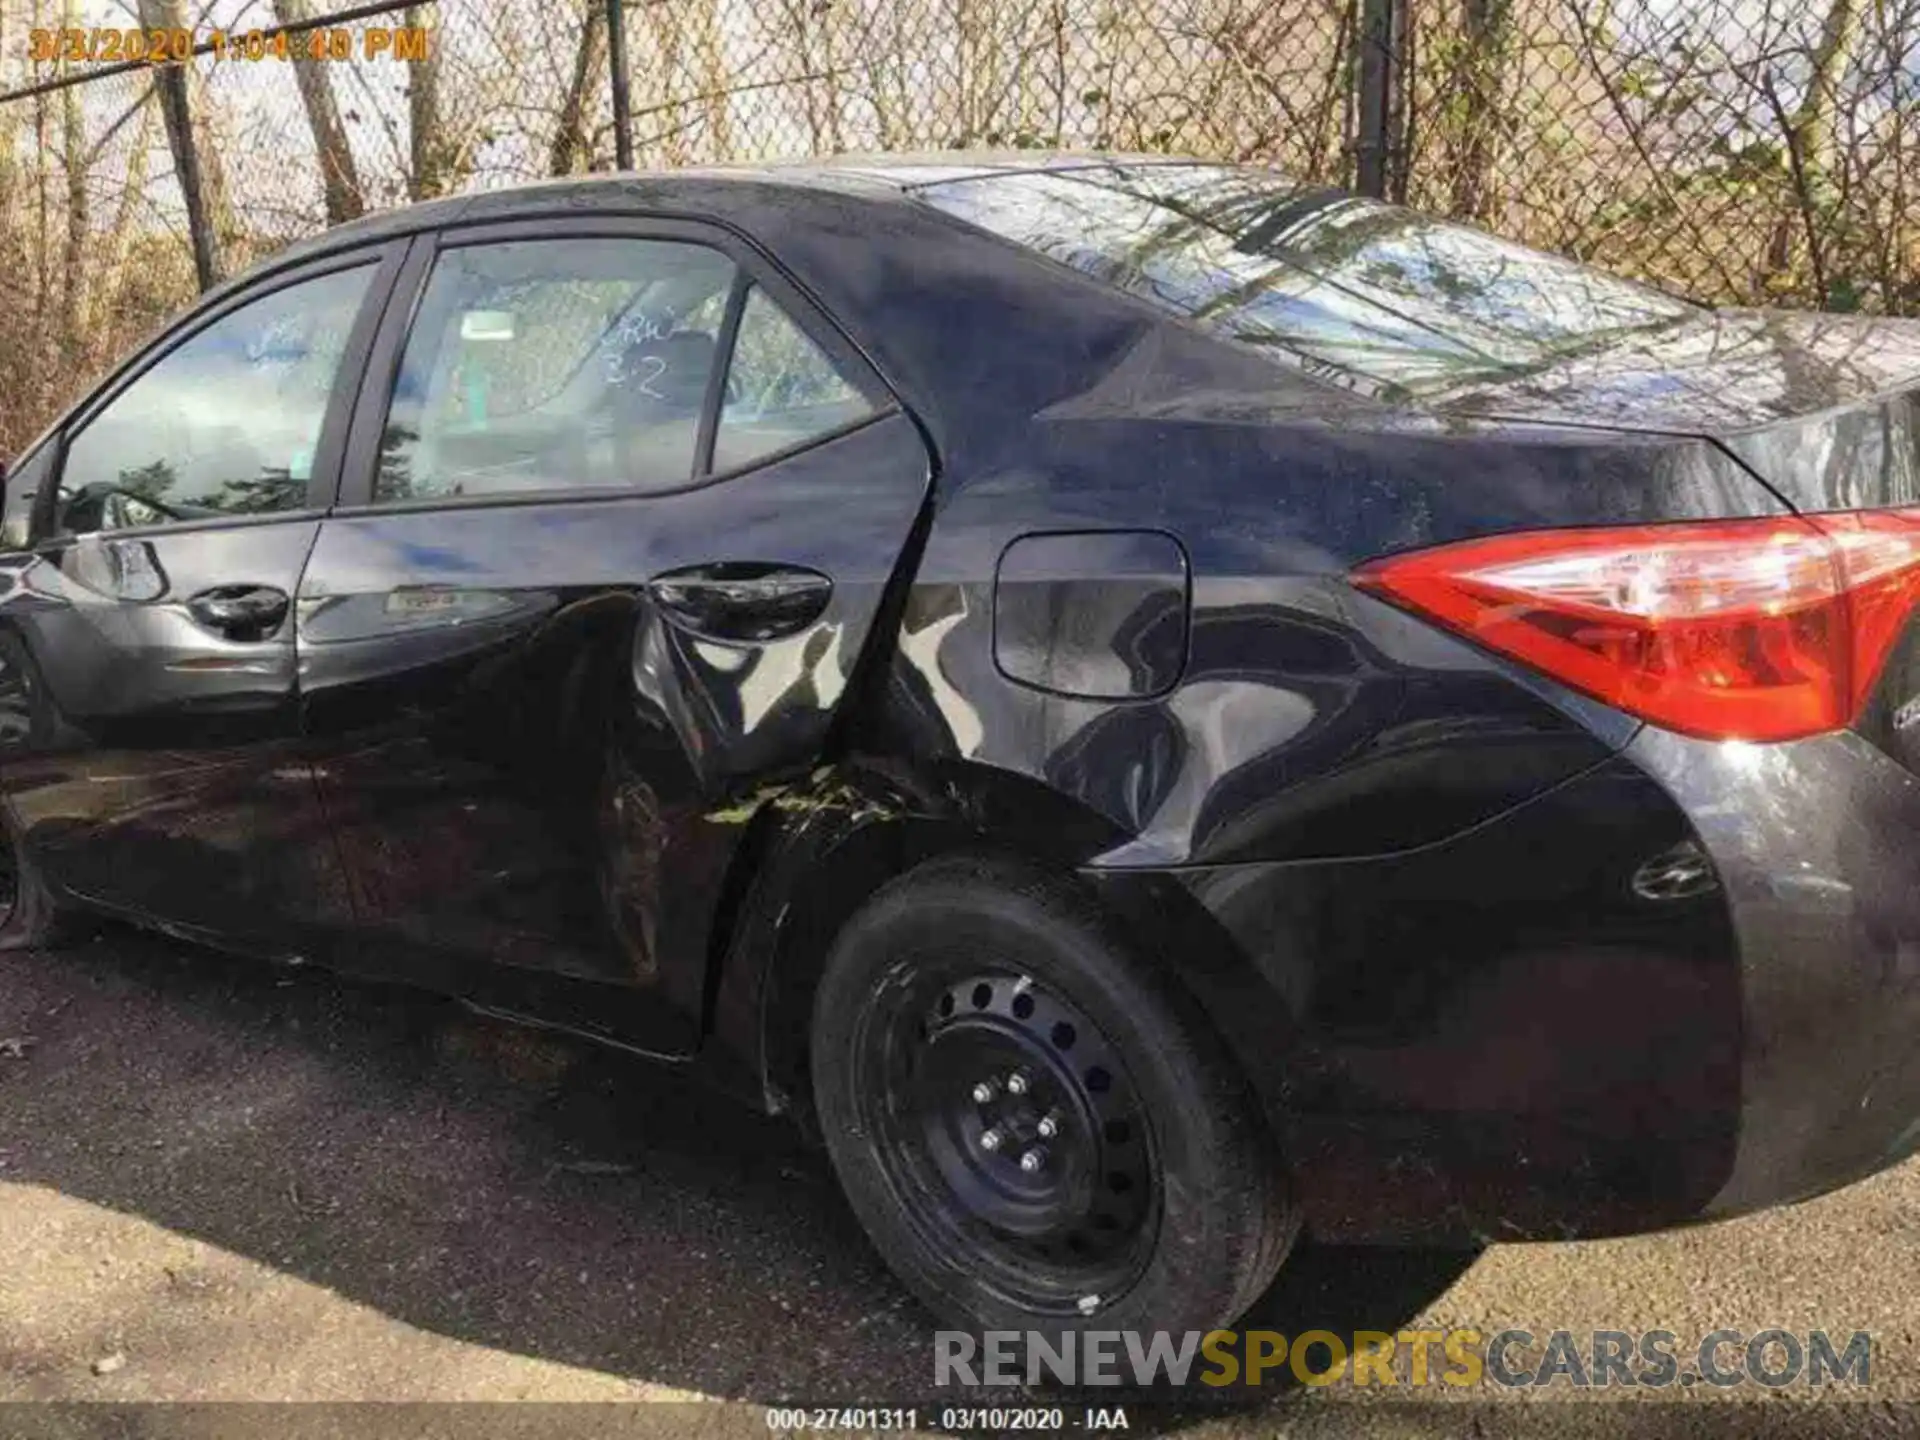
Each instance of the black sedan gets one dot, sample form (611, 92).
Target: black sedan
(1150, 704)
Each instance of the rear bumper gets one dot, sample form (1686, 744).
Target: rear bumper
(1817, 845)
(1497, 1037)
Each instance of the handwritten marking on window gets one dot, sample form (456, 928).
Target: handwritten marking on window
(636, 327)
(658, 366)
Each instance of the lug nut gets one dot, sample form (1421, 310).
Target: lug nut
(992, 1139)
(984, 1091)
(1034, 1159)
(1048, 1127)
(1017, 1083)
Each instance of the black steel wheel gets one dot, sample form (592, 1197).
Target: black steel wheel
(1016, 1132)
(1038, 1130)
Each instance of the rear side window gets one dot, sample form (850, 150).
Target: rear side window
(782, 390)
(555, 364)
(1361, 293)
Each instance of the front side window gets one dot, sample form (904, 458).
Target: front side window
(1351, 289)
(782, 390)
(225, 423)
(555, 365)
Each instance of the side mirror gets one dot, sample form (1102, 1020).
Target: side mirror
(16, 512)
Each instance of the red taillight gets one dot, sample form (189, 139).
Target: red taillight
(1730, 629)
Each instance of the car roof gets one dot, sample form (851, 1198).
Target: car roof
(910, 171)
(878, 176)
(737, 194)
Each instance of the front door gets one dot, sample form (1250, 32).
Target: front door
(147, 665)
(615, 526)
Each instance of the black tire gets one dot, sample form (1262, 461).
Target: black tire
(1160, 1201)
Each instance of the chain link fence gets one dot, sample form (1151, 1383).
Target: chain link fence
(1740, 151)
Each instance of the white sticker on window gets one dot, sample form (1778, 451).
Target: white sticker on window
(486, 325)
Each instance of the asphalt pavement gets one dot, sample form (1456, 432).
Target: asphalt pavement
(222, 1182)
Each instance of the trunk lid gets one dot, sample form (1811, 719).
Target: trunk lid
(1824, 408)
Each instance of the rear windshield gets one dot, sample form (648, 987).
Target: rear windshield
(1361, 293)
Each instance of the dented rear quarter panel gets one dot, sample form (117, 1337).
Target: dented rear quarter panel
(1314, 823)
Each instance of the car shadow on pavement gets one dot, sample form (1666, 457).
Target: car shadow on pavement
(498, 1186)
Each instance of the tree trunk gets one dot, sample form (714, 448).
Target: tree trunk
(119, 242)
(231, 248)
(9, 149)
(73, 159)
(42, 331)
(339, 176)
(194, 152)
(427, 126)
(668, 41)
(1478, 78)
(714, 80)
(1810, 134)
(572, 147)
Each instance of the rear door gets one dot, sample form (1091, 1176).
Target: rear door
(147, 664)
(619, 510)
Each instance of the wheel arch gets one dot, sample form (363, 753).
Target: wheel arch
(824, 848)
